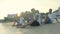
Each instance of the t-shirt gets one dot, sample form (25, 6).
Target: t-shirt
(21, 21)
(39, 19)
(52, 16)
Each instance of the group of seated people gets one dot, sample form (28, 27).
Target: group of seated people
(36, 19)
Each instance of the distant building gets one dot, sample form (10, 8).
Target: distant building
(57, 12)
(11, 16)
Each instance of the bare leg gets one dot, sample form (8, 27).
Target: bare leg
(57, 20)
(26, 24)
(14, 23)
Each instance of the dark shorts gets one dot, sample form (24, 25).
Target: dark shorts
(48, 21)
(35, 23)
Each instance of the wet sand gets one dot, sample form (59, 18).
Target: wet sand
(43, 29)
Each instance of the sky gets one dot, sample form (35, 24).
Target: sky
(18, 6)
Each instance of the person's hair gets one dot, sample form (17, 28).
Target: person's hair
(50, 10)
(37, 11)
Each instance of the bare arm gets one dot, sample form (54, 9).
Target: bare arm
(57, 20)
(45, 18)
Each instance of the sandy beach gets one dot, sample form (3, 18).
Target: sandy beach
(6, 28)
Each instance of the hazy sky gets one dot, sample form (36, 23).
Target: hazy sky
(17, 6)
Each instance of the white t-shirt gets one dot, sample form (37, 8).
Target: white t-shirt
(52, 16)
(21, 21)
(39, 17)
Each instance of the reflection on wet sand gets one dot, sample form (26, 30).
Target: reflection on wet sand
(44, 29)
(8, 30)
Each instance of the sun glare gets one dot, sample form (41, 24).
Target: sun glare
(18, 14)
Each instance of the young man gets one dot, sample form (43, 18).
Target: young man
(21, 21)
(35, 20)
(50, 17)
(38, 16)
